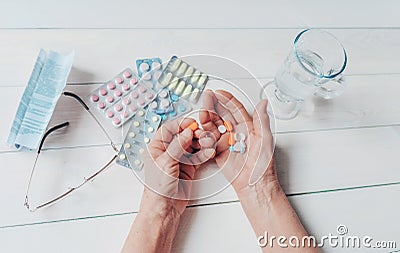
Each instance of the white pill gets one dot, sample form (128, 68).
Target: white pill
(150, 129)
(163, 94)
(137, 162)
(222, 129)
(202, 80)
(181, 69)
(195, 76)
(146, 76)
(180, 88)
(141, 151)
(164, 103)
(187, 91)
(136, 123)
(194, 95)
(165, 79)
(155, 118)
(122, 156)
(189, 72)
(140, 113)
(127, 145)
(173, 84)
(175, 64)
(155, 65)
(153, 105)
(146, 139)
(132, 134)
(144, 67)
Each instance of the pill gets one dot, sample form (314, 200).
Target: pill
(127, 74)
(146, 77)
(181, 69)
(125, 115)
(146, 139)
(95, 98)
(126, 101)
(127, 145)
(118, 93)
(150, 129)
(137, 162)
(118, 107)
(141, 102)
(193, 126)
(131, 135)
(140, 113)
(133, 108)
(111, 86)
(134, 81)
(149, 95)
(156, 75)
(110, 114)
(175, 64)
(155, 118)
(194, 95)
(195, 76)
(222, 129)
(173, 84)
(163, 94)
(134, 95)
(164, 103)
(136, 123)
(174, 98)
(103, 92)
(181, 86)
(202, 80)
(189, 72)
(144, 67)
(231, 140)
(116, 121)
(187, 91)
(155, 65)
(231, 148)
(153, 105)
(228, 125)
(110, 99)
(173, 113)
(126, 86)
(181, 108)
(141, 151)
(165, 79)
(102, 105)
(142, 89)
(119, 80)
(122, 156)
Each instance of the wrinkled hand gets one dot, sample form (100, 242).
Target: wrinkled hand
(256, 164)
(170, 163)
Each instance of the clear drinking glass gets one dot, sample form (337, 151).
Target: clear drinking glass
(314, 67)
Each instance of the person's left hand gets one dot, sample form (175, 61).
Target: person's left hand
(170, 164)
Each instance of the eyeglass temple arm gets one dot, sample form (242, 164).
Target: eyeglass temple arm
(80, 100)
(48, 132)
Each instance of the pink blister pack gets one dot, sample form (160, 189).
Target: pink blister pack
(121, 97)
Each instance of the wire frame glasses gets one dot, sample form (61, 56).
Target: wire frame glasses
(86, 179)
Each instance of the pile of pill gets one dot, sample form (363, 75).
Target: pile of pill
(149, 71)
(236, 141)
(183, 80)
(121, 97)
(140, 133)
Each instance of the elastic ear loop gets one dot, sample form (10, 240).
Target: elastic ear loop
(53, 129)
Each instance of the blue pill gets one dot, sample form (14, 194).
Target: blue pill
(182, 108)
(174, 98)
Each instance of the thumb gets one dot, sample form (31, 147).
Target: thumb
(180, 143)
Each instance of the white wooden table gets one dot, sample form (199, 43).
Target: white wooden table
(339, 164)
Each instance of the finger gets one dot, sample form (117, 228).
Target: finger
(180, 144)
(261, 121)
(233, 105)
(208, 116)
(202, 156)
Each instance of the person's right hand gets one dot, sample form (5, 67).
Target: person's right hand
(256, 166)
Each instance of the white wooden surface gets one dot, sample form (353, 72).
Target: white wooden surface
(350, 142)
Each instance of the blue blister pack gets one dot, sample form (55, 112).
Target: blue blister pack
(142, 130)
(180, 108)
(149, 70)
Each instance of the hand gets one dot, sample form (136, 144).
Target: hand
(256, 165)
(170, 164)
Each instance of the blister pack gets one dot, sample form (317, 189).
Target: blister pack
(144, 126)
(180, 107)
(120, 98)
(162, 103)
(183, 80)
(149, 71)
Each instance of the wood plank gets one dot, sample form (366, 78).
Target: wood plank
(102, 53)
(221, 228)
(367, 101)
(306, 162)
(208, 14)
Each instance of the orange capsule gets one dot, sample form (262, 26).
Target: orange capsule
(231, 139)
(228, 125)
(194, 126)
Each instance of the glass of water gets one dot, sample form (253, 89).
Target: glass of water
(313, 68)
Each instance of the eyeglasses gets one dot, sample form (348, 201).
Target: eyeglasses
(85, 180)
